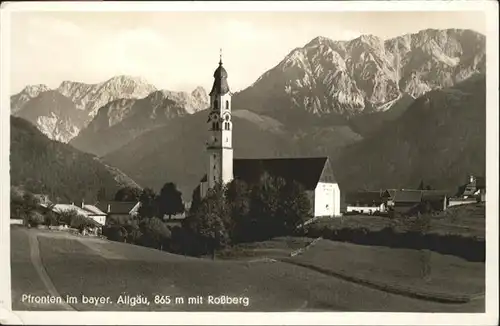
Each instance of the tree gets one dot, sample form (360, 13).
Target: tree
(148, 208)
(195, 200)
(170, 201)
(16, 204)
(51, 219)
(264, 207)
(65, 217)
(421, 185)
(295, 207)
(208, 221)
(134, 233)
(81, 222)
(35, 218)
(128, 194)
(155, 233)
(238, 203)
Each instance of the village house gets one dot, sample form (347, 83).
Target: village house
(408, 201)
(366, 202)
(116, 210)
(88, 211)
(313, 173)
(388, 196)
(474, 190)
(92, 213)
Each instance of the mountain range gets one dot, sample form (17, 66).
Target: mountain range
(58, 119)
(349, 100)
(365, 75)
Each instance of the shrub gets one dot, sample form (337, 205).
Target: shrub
(155, 233)
(35, 218)
(51, 219)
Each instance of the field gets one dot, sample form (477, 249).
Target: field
(45, 262)
(420, 273)
(465, 221)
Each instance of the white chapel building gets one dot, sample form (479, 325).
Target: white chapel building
(314, 173)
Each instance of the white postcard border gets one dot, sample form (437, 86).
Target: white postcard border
(247, 318)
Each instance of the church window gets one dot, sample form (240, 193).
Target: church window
(216, 104)
(227, 105)
(227, 126)
(215, 125)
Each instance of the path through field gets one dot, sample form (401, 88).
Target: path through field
(61, 264)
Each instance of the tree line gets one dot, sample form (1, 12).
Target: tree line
(228, 214)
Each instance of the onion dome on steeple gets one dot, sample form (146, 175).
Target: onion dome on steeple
(220, 86)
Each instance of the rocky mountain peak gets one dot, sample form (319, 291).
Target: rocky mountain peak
(367, 73)
(129, 84)
(200, 92)
(18, 100)
(35, 90)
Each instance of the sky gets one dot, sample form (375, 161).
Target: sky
(180, 50)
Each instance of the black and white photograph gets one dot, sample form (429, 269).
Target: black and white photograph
(189, 157)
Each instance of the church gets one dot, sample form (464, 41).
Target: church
(314, 173)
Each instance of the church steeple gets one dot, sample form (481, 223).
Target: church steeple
(219, 145)
(220, 86)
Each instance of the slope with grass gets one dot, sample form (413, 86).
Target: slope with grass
(411, 272)
(82, 266)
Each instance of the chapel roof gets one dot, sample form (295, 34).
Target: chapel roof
(304, 170)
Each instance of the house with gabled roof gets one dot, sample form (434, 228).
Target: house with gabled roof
(474, 190)
(88, 211)
(117, 209)
(407, 200)
(366, 202)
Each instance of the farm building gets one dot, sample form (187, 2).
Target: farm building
(366, 202)
(118, 210)
(472, 191)
(407, 201)
(88, 211)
